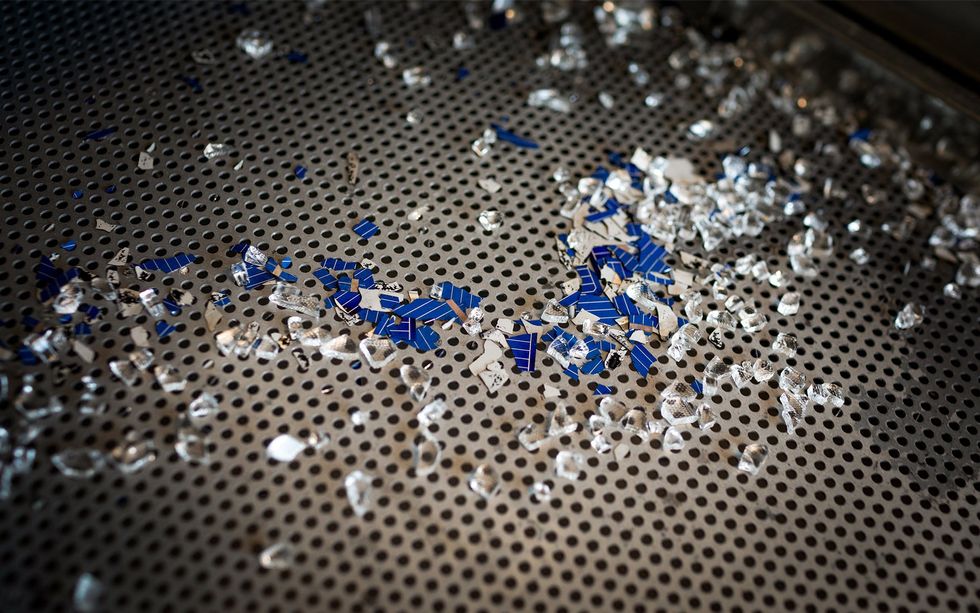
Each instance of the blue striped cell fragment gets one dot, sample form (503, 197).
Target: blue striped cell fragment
(642, 359)
(525, 350)
(425, 339)
(300, 172)
(462, 298)
(509, 137)
(626, 306)
(590, 280)
(389, 301)
(366, 229)
(349, 301)
(167, 265)
(601, 307)
(602, 390)
(164, 329)
(69, 245)
(426, 309)
(326, 278)
(338, 265)
(698, 387)
(404, 330)
(100, 134)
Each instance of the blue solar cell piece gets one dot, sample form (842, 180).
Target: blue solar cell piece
(642, 359)
(426, 309)
(626, 306)
(371, 316)
(300, 172)
(366, 229)
(461, 297)
(425, 339)
(296, 57)
(593, 367)
(525, 350)
(602, 390)
(405, 330)
(338, 265)
(509, 137)
(82, 329)
(164, 329)
(570, 299)
(100, 134)
(326, 278)
(167, 265)
(389, 301)
(194, 84)
(600, 306)
(365, 279)
(590, 280)
(698, 387)
(69, 245)
(346, 300)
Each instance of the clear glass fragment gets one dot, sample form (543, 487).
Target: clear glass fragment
(569, 465)
(285, 448)
(910, 316)
(417, 380)
(378, 351)
(753, 456)
(360, 492)
(79, 463)
(426, 454)
(278, 556)
(133, 454)
(342, 347)
(484, 481)
(673, 440)
(255, 44)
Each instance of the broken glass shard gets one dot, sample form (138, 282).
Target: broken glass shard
(952, 290)
(133, 454)
(290, 297)
(635, 423)
(673, 440)
(254, 43)
(169, 378)
(680, 389)
(789, 304)
(554, 313)
(611, 409)
(417, 380)
(378, 351)
(47, 345)
(722, 320)
(474, 322)
(715, 373)
(432, 412)
(192, 444)
(706, 418)
(860, 256)
(342, 347)
(785, 345)
(124, 371)
(318, 440)
(762, 370)
(569, 465)
(539, 491)
(753, 456)
(279, 556)
(490, 220)
(426, 454)
(700, 130)
(360, 492)
(601, 444)
(742, 374)
(828, 394)
(284, 448)
(79, 463)
(267, 348)
(484, 481)
(34, 402)
(532, 437)
(203, 407)
(910, 316)
(217, 150)
(87, 597)
(69, 298)
(792, 380)
(677, 411)
(142, 359)
(551, 99)
(416, 76)
(560, 422)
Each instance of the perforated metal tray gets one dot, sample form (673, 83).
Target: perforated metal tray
(872, 507)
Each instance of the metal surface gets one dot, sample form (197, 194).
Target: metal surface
(871, 508)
